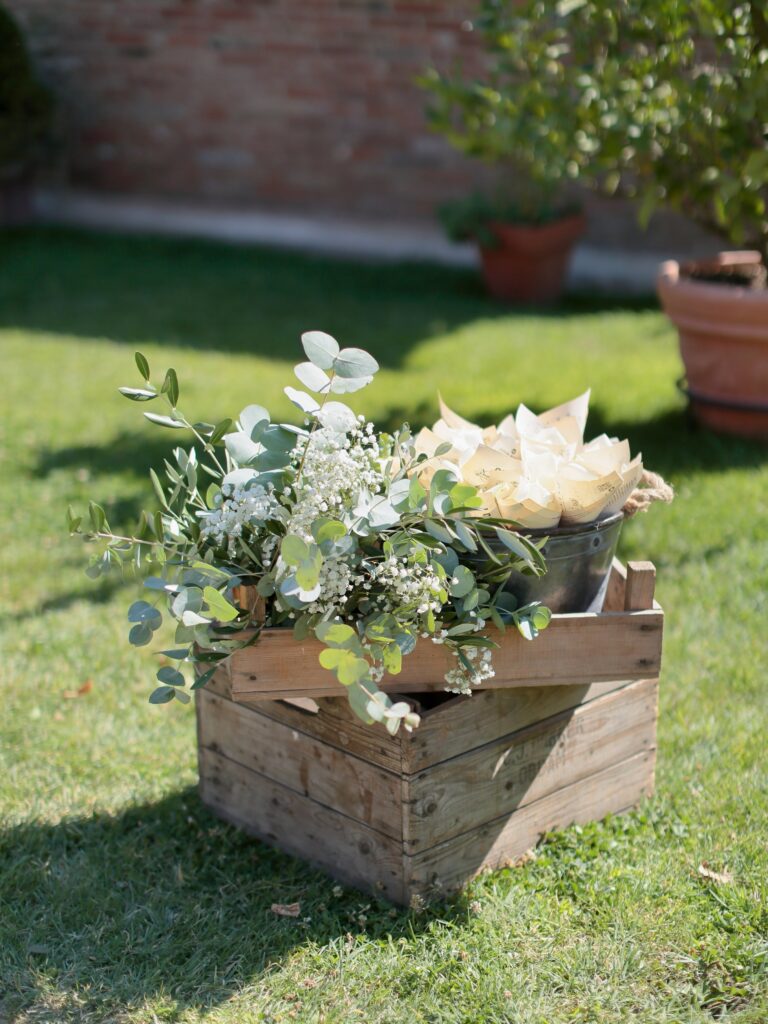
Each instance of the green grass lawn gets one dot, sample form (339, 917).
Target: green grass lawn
(121, 899)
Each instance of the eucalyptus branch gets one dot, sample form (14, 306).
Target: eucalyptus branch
(101, 535)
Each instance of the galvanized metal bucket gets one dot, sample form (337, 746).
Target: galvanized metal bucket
(578, 566)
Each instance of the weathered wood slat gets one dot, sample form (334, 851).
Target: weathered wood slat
(337, 725)
(500, 777)
(220, 682)
(451, 864)
(324, 773)
(349, 851)
(463, 723)
(574, 650)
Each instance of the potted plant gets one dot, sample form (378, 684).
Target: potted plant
(664, 102)
(524, 247)
(527, 227)
(25, 120)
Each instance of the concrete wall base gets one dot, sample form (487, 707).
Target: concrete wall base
(592, 269)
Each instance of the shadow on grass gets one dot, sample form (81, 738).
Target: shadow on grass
(94, 592)
(129, 453)
(163, 899)
(671, 443)
(208, 296)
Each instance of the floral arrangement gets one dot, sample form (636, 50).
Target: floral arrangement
(363, 539)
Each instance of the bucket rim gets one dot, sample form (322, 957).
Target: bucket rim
(596, 526)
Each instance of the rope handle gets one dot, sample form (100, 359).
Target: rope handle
(652, 488)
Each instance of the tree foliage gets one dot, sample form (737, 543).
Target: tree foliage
(654, 99)
(25, 104)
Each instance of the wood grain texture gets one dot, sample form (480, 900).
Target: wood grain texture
(640, 586)
(221, 682)
(498, 778)
(463, 723)
(451, 864)
(614, 595)
(331, 777)
(349, 851)
(337, 725)
(574, 650)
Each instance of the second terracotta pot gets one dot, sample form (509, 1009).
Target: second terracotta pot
(529, 263)
(723, 342)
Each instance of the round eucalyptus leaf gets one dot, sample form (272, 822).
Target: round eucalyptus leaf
(155, 583)
(355, 362)
(464, 581)
(295, 595)
(161, 695)
(346, 385)
(170, 676)
(242, 449)
(321, 348)
(293, 549)
(187, 599)
(190, 618)
(302, 400)
(312, 377)
(269, 461)
(145, 613)
(139, 635)
(251, 417)
(276, 438)
(237, 477)
(337, 416)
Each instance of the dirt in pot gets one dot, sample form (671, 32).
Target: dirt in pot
(753, 276)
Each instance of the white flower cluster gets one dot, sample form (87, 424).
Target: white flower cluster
(334, 582)
(460, 680)
(415, 587)
(337, 467)
(241, 505)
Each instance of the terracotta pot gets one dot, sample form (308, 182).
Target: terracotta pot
(723, 342)
(530, 262)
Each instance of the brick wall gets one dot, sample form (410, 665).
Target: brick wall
(302, 104)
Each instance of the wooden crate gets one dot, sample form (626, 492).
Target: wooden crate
(566, 733)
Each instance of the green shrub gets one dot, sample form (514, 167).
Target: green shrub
(25, 105)
(663, 101)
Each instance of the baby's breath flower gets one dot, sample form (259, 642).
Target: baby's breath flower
(408, 587)
(336, 469)
(241, 507)
(461, 680)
